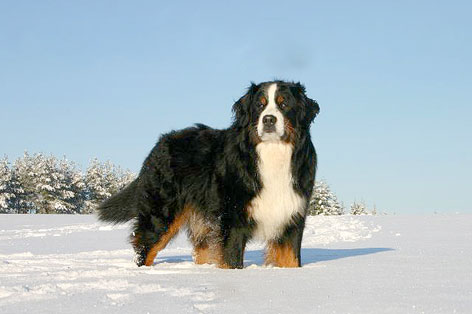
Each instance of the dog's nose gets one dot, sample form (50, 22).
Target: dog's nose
(269, 120)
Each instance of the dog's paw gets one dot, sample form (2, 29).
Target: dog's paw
(140, 258)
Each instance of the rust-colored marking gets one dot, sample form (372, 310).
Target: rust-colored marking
(263, 100)
(202, 255)
(224, 266)
(166, 237)
(281, 255)
(290, 133)
(280, 99)
(208, 254)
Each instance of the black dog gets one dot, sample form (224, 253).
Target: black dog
(252, 180)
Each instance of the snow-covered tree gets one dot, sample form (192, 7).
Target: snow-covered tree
(95, 185)
(48, 186)
(44, 184)
(23, 171)
(6, 193)
(18, 203)
(102, 180)
(125, 177)
(358, 208)
(69, 188)
(324, 201)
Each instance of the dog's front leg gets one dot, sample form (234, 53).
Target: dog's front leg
(285, 250)
(234, 243)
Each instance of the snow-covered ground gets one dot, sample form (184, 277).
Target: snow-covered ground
(385, 264)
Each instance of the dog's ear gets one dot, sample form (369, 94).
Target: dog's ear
(311, 106)
(241, 107)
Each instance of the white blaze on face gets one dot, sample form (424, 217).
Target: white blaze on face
(271, 109)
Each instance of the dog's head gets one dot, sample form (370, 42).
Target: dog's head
(275, 111)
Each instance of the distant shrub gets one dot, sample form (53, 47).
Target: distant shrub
(358, 209)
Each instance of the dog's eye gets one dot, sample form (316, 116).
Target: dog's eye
(283, 105)
(260, 105)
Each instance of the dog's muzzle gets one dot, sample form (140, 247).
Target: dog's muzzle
(269, 123)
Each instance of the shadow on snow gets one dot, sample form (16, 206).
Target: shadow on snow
(309, 256)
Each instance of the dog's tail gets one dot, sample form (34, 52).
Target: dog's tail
(120, 207)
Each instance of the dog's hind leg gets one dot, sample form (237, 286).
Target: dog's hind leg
(205, 237)
(153, 233)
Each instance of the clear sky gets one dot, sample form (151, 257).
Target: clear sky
(393, 80)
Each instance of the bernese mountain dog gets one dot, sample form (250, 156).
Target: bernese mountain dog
(252, 180)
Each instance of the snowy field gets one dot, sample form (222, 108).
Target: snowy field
(385, 264)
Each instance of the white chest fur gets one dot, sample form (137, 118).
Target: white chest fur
(276, 204)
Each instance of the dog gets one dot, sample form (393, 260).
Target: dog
(252, 180)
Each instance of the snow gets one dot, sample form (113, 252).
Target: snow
(351, 264)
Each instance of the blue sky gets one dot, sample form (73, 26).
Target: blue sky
(393, 80)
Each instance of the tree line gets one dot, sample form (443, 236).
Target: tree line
(40, 184)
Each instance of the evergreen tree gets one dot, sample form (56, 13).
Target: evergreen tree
(18, 204)
(102, 180)
(46, 181)
(78, 188)
(48, 187)
(69, 186)
(23, 171)
(358, 208)
(125, 177)
(44, 184)
(6, 193)
(324, 201)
